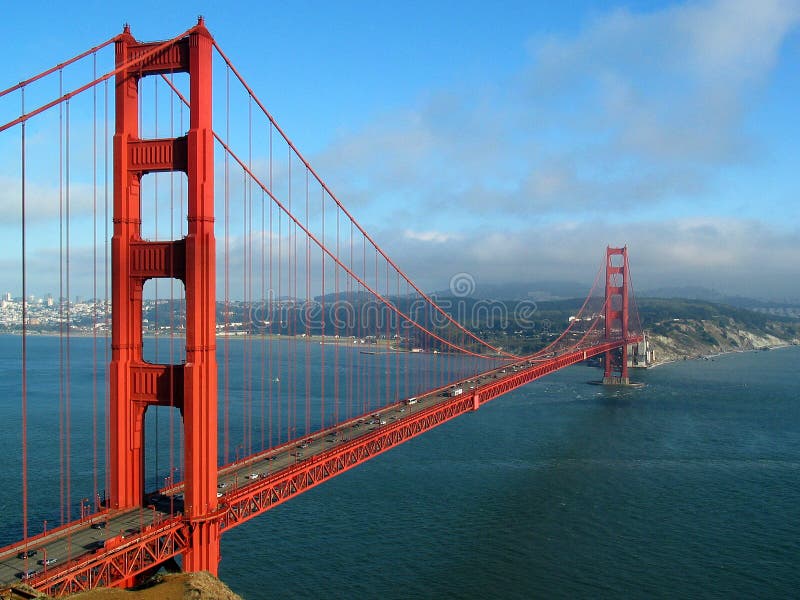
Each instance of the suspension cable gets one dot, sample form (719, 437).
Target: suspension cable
(361, 281)
(577, 316)
(291, 145)
(23, 84)
(65, 97)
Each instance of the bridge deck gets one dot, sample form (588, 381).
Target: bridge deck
(108, 547)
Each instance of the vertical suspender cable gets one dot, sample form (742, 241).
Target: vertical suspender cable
(351, 297)
(269, 315)
(271, 312)
(388, 341)
(322, 319)
(279, 419)
(307, 325)
(375, 382)
(61, 296)
(226, 319)
(289, 311)
(410, 344)
(24, 374)
(68, 391)
(292, 285)
(106, 316)
(293, 379)
(337, 330)
(360, 409)
(262, 324)
(157, 441)
(375, 396)
(245, 393)
(246, 358)
(364, 369)
(247, 365)
(398, 348)
(249, 284)
(94, 280)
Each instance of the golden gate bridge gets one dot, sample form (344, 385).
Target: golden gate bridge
(323, 349)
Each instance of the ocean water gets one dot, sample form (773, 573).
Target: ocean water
(686, 488)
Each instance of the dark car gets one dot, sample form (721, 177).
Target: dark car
(26, 554)
(99, 525)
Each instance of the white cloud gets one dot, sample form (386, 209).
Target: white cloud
(735, 255)
(430, 236)
(635, 107)
(669, 85)
(637, 112)
(42, 201)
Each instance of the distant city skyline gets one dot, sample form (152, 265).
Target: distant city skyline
(512, 143)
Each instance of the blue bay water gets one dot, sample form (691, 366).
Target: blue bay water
(687, 487)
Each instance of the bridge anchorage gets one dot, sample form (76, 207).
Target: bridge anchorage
(334, 393)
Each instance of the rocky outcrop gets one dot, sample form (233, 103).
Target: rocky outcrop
(683, 339)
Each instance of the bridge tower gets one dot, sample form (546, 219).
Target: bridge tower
(616, 315)
(135, 384)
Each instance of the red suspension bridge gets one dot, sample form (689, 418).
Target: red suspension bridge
(320, 354)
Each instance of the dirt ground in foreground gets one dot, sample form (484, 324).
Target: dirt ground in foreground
(176, 586)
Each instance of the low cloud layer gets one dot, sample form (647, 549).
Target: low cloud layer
(733, 255)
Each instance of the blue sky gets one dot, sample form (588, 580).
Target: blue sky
(514, 140)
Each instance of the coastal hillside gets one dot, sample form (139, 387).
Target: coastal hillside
(677, 328)
(682, 329)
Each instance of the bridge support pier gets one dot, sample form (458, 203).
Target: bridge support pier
(203, 547)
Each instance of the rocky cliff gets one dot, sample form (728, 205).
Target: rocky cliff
(683, 339)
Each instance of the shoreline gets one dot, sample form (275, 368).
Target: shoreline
(328, 339)
(379, 347)
(375, 347)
